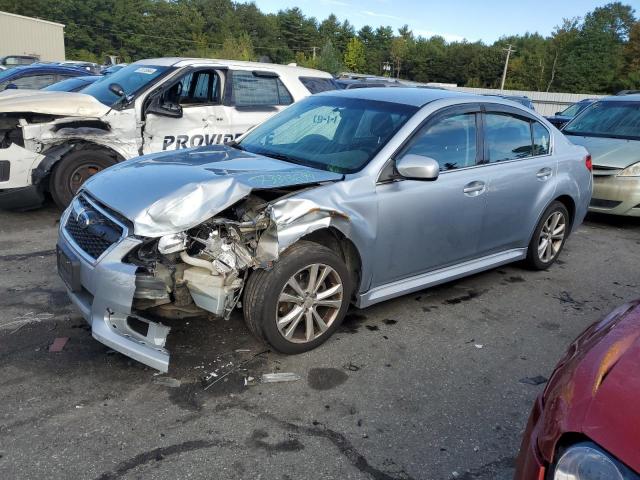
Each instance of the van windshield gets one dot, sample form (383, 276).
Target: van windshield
(132, 79)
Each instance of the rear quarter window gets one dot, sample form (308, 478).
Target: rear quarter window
(249, 90)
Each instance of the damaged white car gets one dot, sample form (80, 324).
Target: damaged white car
(346, 197)
(53, 141)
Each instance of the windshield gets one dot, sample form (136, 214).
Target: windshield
(607, 119)
(571, 111)
(330, 133)
(132, 79)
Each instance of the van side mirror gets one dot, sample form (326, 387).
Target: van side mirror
(418, 167)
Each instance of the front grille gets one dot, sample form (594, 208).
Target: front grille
(600, 203)
(91, 229)
(605, 171)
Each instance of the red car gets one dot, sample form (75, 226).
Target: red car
(586, 423)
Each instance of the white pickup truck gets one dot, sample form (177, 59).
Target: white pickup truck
(53, 141)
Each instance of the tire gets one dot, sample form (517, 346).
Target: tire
(267, 293)
(540, 254)
(74, 168)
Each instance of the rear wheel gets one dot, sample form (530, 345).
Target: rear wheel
(549, 237)
(299, 303)
(73, 170)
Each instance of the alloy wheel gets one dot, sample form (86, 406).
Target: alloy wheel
(309, 303)
(551, 237)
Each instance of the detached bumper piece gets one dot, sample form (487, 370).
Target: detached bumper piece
(24, 198)
(91, 245)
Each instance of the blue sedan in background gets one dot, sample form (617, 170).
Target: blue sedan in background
(37, 76)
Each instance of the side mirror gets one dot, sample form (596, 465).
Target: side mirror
(418, 167)
(117, 89)
(558, 113)
(166, 109)
(11, 86)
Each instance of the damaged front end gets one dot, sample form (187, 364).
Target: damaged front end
(204, 268)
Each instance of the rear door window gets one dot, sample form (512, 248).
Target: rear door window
(250, 90)
(507, 137)
(34, 82)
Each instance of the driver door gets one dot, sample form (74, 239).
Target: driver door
(186, 113)
(424, 225)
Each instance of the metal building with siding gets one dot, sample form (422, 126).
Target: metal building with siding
(31, 36)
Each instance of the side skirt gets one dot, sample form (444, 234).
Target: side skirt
(436, 277)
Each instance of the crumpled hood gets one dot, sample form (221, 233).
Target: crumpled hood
(66, 104)
(170, 192)
(609, 152)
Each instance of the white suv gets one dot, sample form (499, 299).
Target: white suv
(54, 141)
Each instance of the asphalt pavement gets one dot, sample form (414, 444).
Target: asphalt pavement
(433, 385)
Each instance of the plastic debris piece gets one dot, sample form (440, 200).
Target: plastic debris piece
(537, 380)
(167, 382)
(58, 344)
(279, 377)
(479, 345)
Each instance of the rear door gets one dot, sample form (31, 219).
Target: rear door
(522, 177)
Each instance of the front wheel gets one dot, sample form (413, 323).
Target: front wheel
(549, 237)
(297, 305)
(73, 170)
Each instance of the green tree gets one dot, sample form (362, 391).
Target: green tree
(354, 59)
(329, 59)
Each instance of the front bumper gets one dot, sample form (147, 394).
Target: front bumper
(616, 195)
(17, 191)
(103, 293)
(530, 465)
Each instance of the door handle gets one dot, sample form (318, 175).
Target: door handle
(474, 189)
(544, 174)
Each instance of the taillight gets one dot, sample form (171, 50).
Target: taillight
(587, 163)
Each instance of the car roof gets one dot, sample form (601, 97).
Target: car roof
(633, 97)
(416, 97)
(281, 69)
(44, 68)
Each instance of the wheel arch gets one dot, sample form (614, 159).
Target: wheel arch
(55, 153)
(570, 205)
(332, 238)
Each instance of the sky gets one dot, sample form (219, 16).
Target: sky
(485, 20)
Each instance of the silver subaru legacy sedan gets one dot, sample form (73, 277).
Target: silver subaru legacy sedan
(347, 197)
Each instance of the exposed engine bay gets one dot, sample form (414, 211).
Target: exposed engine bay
(205, 267)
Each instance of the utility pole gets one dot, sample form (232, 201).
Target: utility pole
(506, 65)
(314, 52)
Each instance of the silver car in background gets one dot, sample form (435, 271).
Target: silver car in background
(347, 197)
(610, 130)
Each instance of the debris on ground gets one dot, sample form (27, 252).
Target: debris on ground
(279, 377)
(26, 319)
(233, 369)
(537, 380)
(478, 345)
(58, 344)
(167, 382)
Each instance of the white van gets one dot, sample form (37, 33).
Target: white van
(54, 141)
